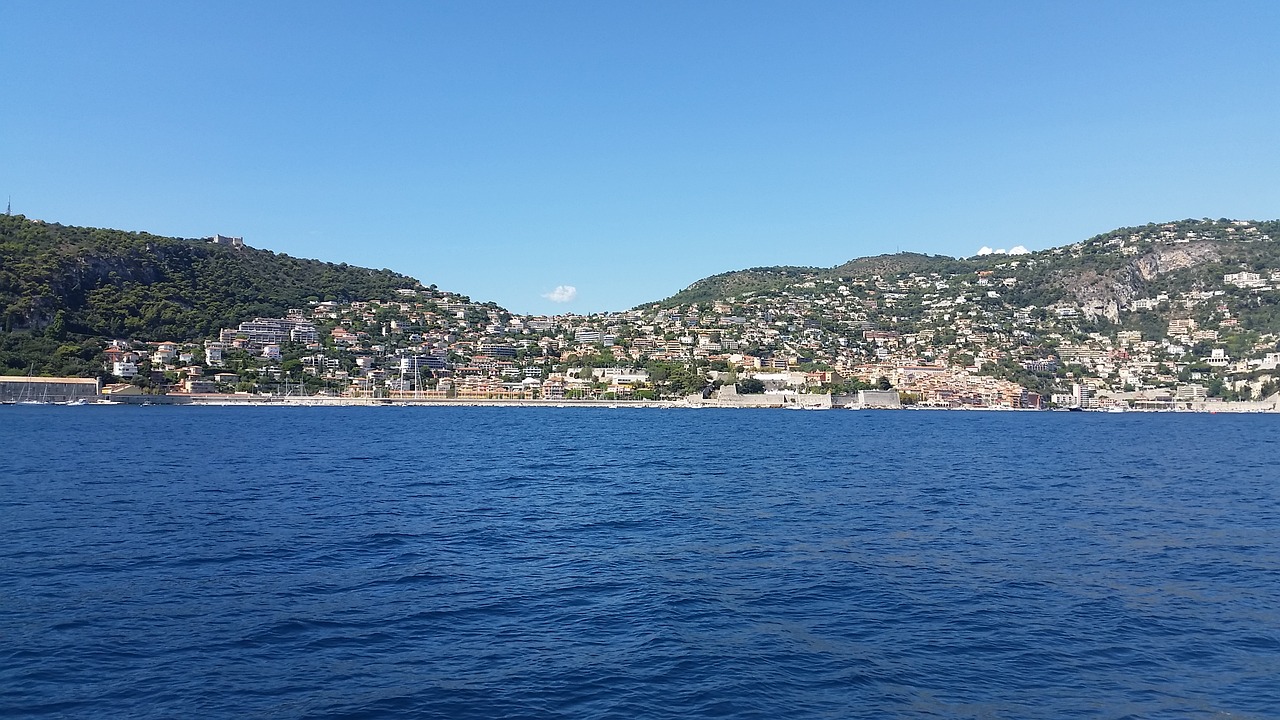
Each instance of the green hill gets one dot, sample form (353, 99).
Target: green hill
(1103, 275)
(112, 283)
(63, 290)
(59, 283)
(738, 282)
(765, 279)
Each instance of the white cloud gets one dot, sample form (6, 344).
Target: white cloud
(1019, 250)
(985, 250)
(562, 294)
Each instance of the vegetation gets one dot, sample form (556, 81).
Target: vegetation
(1137, 308)
(111, 283)
(74, 283)
(729, 284)
(25, 353)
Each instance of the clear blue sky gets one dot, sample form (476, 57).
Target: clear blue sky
(626, 149)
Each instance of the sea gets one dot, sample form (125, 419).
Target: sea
(478, 562)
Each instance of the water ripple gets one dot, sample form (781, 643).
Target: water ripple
(511, 563)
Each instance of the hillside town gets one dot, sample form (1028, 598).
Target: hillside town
(971, 339)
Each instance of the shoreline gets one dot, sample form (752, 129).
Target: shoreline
(176, 399)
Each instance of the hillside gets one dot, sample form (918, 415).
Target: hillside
(64, 290)
(1103, 275)
(1140, 307)
(762, 279)
(111, 283)
(1189, 308)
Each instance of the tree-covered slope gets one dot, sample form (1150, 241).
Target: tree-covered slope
(1102, 274)
(718, 287)
(764, 279)
(111, 283)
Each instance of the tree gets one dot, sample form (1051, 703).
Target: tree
(1216, 388)
(750, 386)
(884, 384)
(58, 328)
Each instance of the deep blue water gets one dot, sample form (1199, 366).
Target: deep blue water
(530, 562)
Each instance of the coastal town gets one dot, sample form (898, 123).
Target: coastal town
(1160, 317)
(966, 339)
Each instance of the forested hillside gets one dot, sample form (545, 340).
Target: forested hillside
(1103, 275)
(64, 289)
(1154, 306)
(111, 283)
(765, 279)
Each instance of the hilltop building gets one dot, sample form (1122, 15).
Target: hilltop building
(235, 242)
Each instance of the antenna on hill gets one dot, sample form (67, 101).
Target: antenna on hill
(8, 208)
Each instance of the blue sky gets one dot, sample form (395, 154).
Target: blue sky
(627, 149)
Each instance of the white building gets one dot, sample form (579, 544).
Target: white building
(213, 354)
(1084, 395)
(1218, 358)
(1244, 279)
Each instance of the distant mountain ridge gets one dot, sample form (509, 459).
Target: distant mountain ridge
(1103, 273)
(113, 283)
